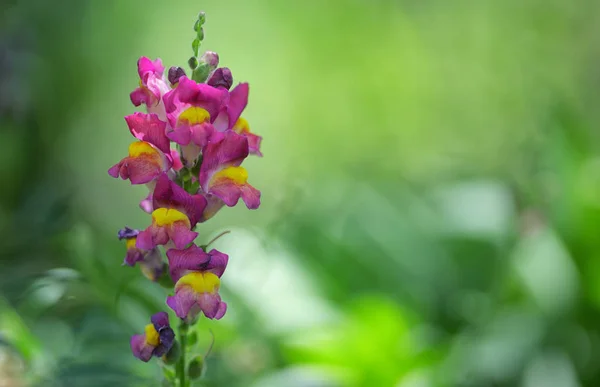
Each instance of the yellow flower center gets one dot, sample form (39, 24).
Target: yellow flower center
(241, 126)
(200, 282)
(130, 243)
(139, 148)
(194, 115)
(152, 336)
(168, 216)
(237, 175)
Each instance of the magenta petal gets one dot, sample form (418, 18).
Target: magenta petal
(196, 94)
(181, 235)
(167, 194)
(183, 261)
(145, 65)
(149, 128)
(114, 170)
(140, 348)
(151, 237)
(231, 150)
(177, 164)
(251, 196)
(202, 133)
(182, 303)
(238, 99)
(146, 204)
(140, 96)
(227, 191)
(133, 255)
(218, 262)
(221, 310)
(209, 304)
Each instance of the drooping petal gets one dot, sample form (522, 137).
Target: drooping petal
(181, 235)
(151, 237)
(149, 128)
(140, 348)
(144, 164)
(218, 262)
(230, 184)
(195, 292)
(242, 127)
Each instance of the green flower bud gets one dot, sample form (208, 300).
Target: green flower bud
(196, 368)
(193, 62)
(192, 339)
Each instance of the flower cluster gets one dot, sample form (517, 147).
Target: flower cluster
(188, 150)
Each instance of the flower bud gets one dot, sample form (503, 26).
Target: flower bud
(211, 59)
(196, 367)
(221, 77)
(193, 62)
(175, 73)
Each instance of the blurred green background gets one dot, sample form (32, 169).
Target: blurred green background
(431, 192)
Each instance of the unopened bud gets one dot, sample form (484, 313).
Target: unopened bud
(193, 62)
(175, 73)
(211, 59)
(196, 367)
(221, 77)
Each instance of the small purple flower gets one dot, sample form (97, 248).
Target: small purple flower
(197, 276)
(157, 339)
(150, 261)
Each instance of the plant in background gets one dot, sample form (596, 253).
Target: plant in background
(188, 184)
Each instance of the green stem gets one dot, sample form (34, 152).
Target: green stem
(181, 371)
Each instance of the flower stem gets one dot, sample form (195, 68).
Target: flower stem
(181, 371)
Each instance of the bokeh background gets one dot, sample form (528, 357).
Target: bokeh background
(431, 192)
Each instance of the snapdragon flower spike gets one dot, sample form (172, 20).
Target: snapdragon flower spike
(197, 280)
(152, 87)
(221, 174)
(144, 164)
(150, 261)
(157, 339)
